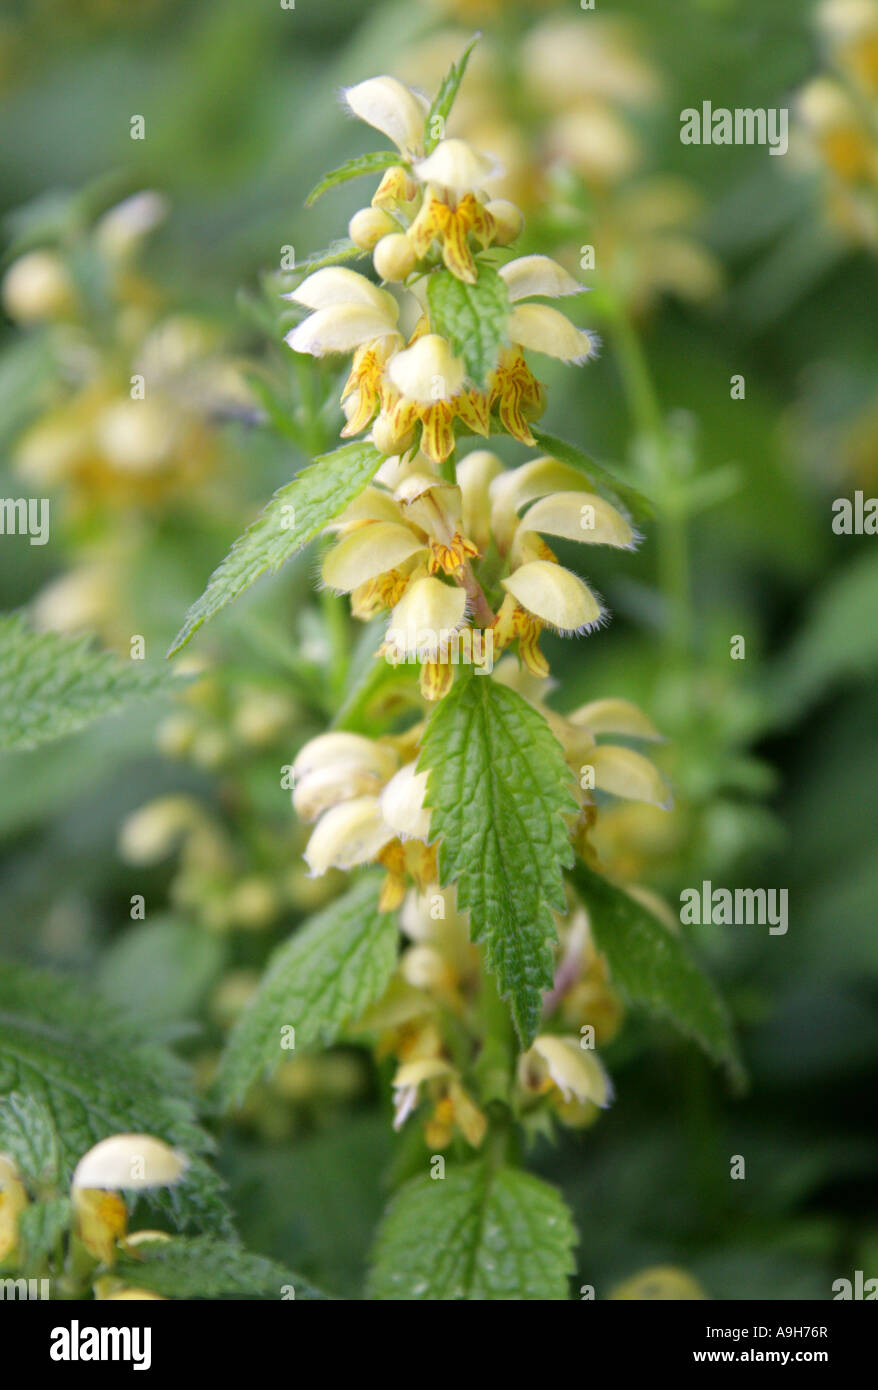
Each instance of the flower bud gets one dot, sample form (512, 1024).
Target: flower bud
(368, 226)
(394, 257)
(508, 221)
(150, 834)
(37, 287)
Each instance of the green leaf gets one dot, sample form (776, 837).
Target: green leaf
(161, 969)
(445, 99)
(202, 1267)
(318, 981)
(72, 1072)
(52, 685)
(598, 477)
(293, 517)
(653, 967)
(353, 169)
(40, 1227)
(472, 317)
(336, 253)
(499, 788)
(29, 1136)
(477, 1234)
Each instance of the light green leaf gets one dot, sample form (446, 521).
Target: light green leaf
(598, 477)
(202, 1267)
(52, 685)
(473, 318)
(353, 169)
(293, 517)
(479, 1234)
(434, 126)
(653, 967)
(500, 788)
(322, 978)
(336, 253)
(72, 1072)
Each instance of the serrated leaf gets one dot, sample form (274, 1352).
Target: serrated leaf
(29, 1136)
(86, 1073)
(336, 253)
(325, 976)
(293, 517)
(473, 318)
(353, 169)
(51, 685)
(499, 789)
(598, 477)
(445, 98)
(202, 1267)
(478, 1234)
(40, 1227)
(654, 968)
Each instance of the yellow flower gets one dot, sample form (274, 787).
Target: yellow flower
(349, 311)
(516, 393)
(451, 211)
(123, 1161)
(13, 1200)
(573, 1069)
(426, 386)
(337, 767)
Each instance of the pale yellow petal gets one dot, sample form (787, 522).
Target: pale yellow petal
(626, 773)
(613, 716)
(579, 516)
(369, 551)
(544, 329)
(540, 275)
(554, 595)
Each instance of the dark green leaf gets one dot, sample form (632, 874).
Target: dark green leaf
(499, 788)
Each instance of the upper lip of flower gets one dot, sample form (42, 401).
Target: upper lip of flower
(456, 167)
(427, 371)
(348, 310)
(396, 110)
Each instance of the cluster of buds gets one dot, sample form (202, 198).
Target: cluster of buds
(406, 383)
(586, 88)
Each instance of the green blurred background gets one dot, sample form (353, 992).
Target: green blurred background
(772, 757)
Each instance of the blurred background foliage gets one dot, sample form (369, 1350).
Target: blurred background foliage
(711, 262)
